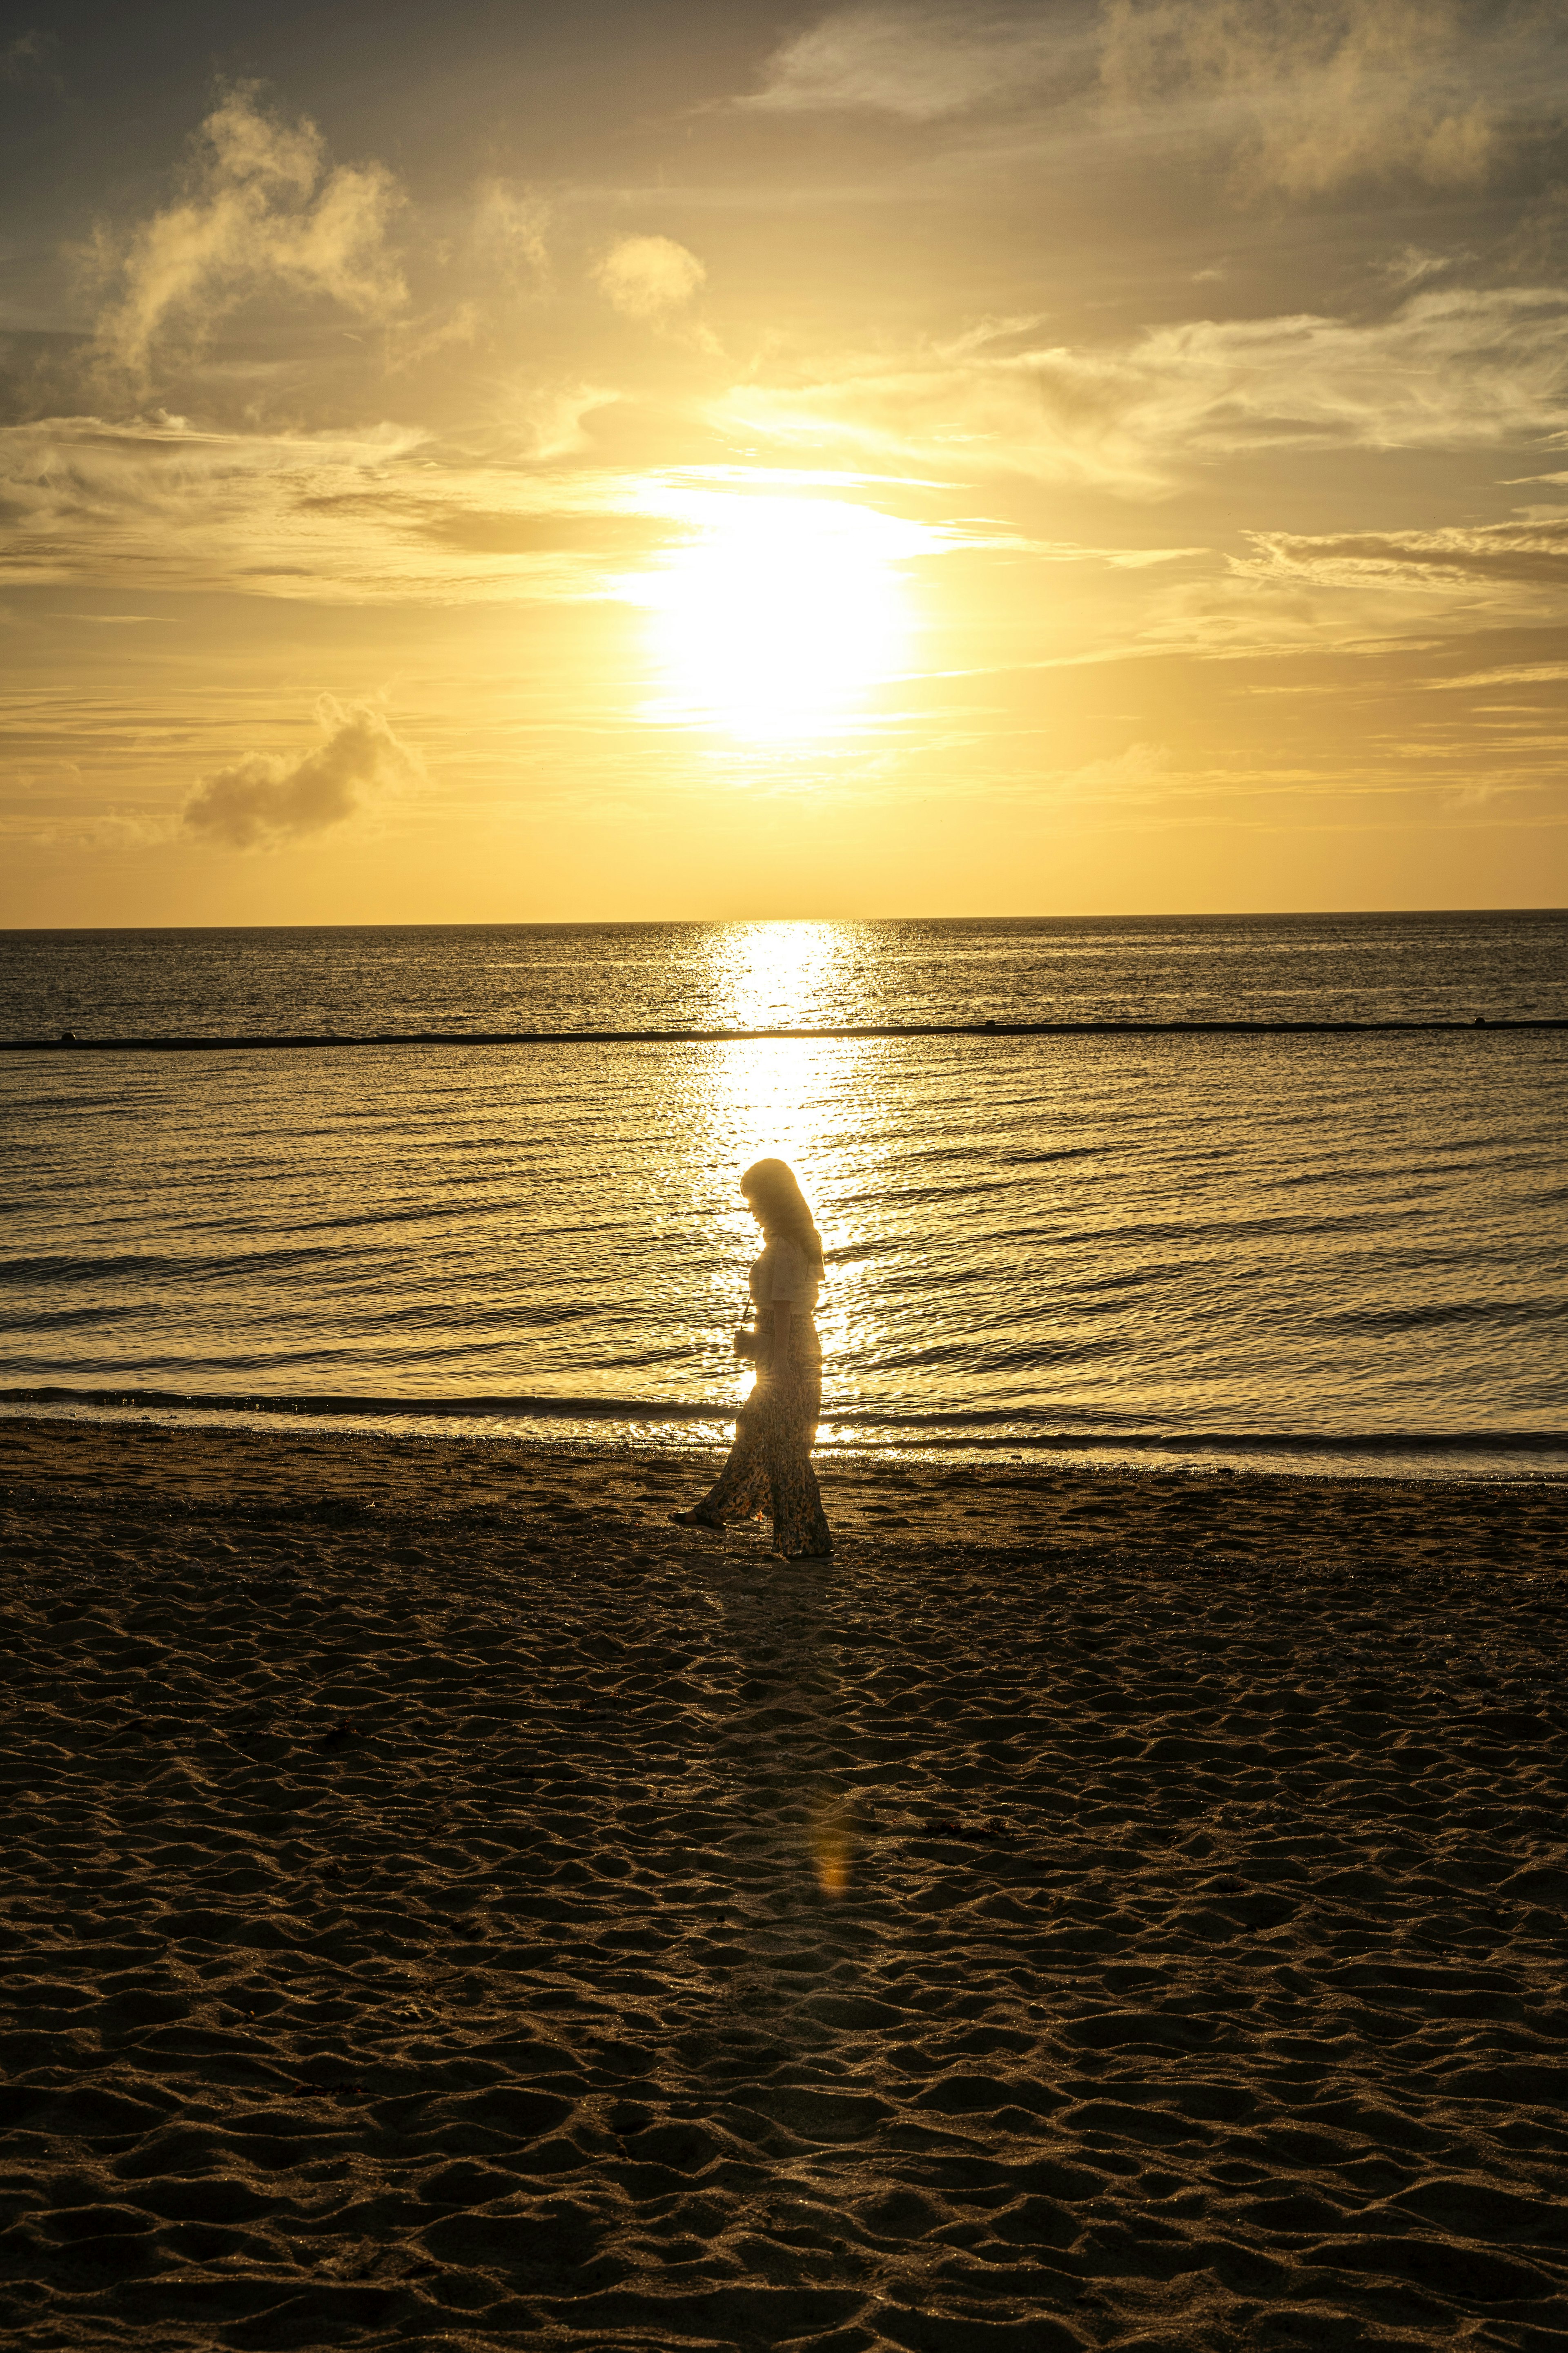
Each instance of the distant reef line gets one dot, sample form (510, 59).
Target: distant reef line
(304, 1041)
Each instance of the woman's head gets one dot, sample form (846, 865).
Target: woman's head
(779, 1205)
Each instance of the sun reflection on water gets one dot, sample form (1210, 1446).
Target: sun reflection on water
(783, 976)
(791, 1098)
(785, 1098)
(707, 1110)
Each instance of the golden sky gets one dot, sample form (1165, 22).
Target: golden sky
(484, 463)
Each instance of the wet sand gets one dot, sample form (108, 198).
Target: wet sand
(448, 1905)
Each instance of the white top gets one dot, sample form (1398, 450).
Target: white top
(782, 1273)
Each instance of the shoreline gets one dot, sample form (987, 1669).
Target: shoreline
(249, 1471)
(610, 1430)
(453, 1906)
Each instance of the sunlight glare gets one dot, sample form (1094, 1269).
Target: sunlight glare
(784, 1096)
(781, 617)
(781, 976)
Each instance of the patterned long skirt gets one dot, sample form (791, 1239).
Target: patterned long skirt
(769, 1469)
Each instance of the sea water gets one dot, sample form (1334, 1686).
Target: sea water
(1304, 1249)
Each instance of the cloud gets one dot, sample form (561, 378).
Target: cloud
(263, 210)
(1412, 267)
(1448, 370)
(411, 341)
(1318, 92)
(916, 62)
(389, 513)
(551, 419)
(1510, 674)
(650, 278)
(1529, 553)
(26, 61)
(509, 229)
(1305, 95)
(337, 518)
(1368, 591)
(1139, 773)
(264, 799)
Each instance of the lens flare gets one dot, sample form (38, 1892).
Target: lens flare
(831, 1847)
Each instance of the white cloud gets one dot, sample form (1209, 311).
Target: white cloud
(650, 278)
(263, 210)
(266, 799)
(1449, 370)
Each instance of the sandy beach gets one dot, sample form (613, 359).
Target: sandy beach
(447, 1905)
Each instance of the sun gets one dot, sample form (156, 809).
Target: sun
(781, 615)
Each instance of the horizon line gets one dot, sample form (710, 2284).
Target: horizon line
(690, 923)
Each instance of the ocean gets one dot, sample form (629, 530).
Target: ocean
(1297, 1250)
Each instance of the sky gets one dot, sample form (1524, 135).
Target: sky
(508, 463)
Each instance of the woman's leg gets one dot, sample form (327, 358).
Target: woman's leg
(741, 1488)
(800, 1524)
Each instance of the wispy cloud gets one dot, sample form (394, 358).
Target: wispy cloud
(1508, 674)
(511, 225)
(1366, 592)
(544, 419)
(1323, 91)
(336, 518)
(410, 342)
(1448, 370)
(1412, 267)
(1139, 774)
(918, 62)
(1302, 97)
(382, 516)
(263, 211)
(1530, 552)
(266, 799)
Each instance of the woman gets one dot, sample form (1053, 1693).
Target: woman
(769, 1467)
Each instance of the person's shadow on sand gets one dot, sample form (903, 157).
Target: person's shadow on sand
(804, 1920)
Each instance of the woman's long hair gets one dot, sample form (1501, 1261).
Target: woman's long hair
(771, 1187)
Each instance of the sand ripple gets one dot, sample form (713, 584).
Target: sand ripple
(448, 1905)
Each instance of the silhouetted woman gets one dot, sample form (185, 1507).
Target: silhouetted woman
(769, 1467)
